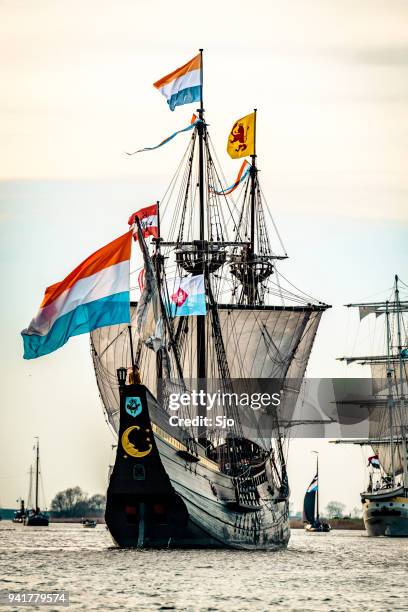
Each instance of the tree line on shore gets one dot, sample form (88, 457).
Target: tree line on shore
(336, 510)
(73, 502)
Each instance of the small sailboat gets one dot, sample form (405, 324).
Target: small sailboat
(34, 517)
(311, 516)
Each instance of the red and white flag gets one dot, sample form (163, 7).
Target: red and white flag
(148, 218)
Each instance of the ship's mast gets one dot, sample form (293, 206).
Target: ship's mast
(402, 397)
(390, 401)
(317, 489)
(253, 189)
(37, 467)
(30, 489)
(201, 339)
(159, 354)
(253, 175)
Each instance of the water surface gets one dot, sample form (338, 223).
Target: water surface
(340, 571)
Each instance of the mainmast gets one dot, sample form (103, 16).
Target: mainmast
(402, 396)
(201, 336)
(390, 400)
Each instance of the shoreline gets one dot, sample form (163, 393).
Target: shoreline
(354, 523)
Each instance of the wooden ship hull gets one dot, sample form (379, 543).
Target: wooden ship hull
(173, 497)
(386, 513)
(37, 520)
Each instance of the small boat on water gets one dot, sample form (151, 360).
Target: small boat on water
(20, 514)
(311, 516)
(35, 517)
(90, 524)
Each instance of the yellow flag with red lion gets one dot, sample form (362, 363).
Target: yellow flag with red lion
(241, 141)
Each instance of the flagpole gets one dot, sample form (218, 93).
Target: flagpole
(201, 80)
(201, 128)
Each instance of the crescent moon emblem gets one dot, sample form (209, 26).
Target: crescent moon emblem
(130, 448)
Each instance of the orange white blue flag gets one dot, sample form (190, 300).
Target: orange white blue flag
(183, 85)
(95, 294)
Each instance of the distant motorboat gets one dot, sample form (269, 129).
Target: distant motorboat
(311, 517)
(20, 514)
(88, 523)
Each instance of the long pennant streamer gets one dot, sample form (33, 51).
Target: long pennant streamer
(241, 177)
(166, 140)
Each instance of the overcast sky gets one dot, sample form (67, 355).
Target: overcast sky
(329, 80)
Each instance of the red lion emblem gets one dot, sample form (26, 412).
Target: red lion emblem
(239, 135)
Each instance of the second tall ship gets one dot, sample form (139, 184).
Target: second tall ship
(385, 500)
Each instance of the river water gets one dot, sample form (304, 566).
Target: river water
(340, 571)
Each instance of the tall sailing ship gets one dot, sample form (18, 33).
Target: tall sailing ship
(385, 501)
(194, 484)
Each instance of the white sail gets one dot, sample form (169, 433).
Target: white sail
(259, 343)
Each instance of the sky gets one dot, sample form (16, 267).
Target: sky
(329, 80)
